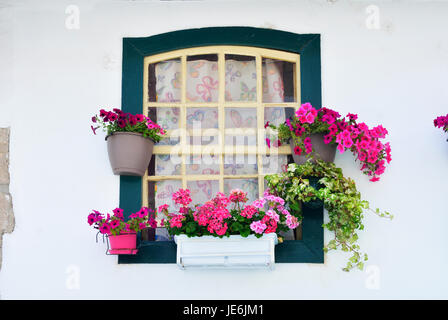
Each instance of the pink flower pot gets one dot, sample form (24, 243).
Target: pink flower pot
(124, 243)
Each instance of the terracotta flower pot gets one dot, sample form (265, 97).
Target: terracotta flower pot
(124, 243)
(326, 152)
(129, 153)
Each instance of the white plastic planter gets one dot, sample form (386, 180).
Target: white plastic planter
(227, 252)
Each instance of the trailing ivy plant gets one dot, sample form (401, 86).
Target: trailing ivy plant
(339, 196)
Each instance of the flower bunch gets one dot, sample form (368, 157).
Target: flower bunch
(224, 216)
(119, 121)
(441, 122)
(115, 224)
(364, 142)
(238, 196)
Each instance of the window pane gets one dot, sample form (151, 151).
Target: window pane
(278, 81)
(164, 81)
(202, 118)
(241, 78)
(162, 192)
(168, 119)
(205, 164)
(202, 78)
(276, 116)
(241, 117)
(204, 140)
(202, 190)
(164, 165)
(240, 164)
(248, 185)
(274, 163)
(246, 138)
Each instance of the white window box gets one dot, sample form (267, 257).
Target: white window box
(227, 252)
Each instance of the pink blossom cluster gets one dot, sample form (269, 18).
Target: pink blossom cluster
(182, 197)
(117, 120)
(238, 195)
(441, 122)
(124, 118)
(212, 214)
(347, 133)
(249, 211)
(218, 217)
(269, 222)
(176, 220)
(306, 113)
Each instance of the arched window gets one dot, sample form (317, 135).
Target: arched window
(213, 89)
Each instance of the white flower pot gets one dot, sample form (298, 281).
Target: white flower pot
(227, 252)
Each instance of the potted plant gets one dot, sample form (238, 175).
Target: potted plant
(316, 134)
(226, 231)
(130, 140)
(122, 235)
(339, 196)
(441, 122)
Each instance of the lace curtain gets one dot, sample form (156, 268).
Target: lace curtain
(202, 86)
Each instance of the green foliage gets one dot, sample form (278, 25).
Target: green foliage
(339, 196)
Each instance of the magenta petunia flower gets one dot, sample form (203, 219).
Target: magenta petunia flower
(114, 224)
(328, 138)
(347, 143)
(140, 118)
(112, 116)
(142, 225)
(105, 228)
(132, 120)
(121, 123)
(91, 219)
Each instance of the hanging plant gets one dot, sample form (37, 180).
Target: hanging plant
(345, 133)
(119, 121)
(339, 196)
(121, 233)
(130, 140)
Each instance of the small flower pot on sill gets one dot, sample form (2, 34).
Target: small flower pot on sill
(124, 243)
(228, 252)
(129, 153)
(326, 152)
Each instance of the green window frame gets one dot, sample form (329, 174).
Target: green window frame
(307, 250)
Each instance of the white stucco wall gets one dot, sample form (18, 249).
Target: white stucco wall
(52, 80)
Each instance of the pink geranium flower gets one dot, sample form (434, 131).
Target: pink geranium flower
(258, 227)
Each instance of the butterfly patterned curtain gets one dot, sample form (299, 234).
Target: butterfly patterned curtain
(203, 86)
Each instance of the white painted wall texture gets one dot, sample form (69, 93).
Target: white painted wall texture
(53, 79)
